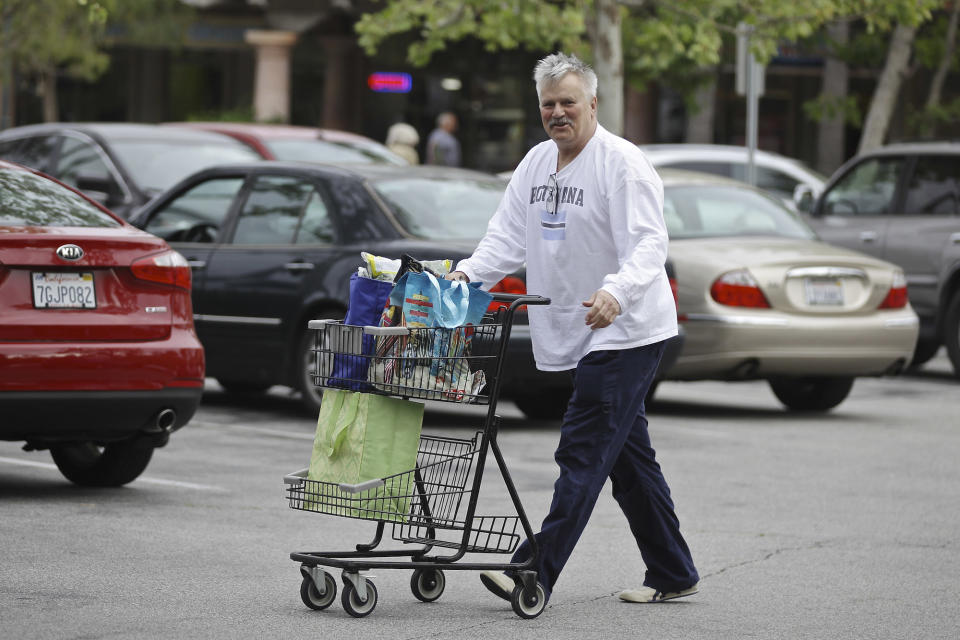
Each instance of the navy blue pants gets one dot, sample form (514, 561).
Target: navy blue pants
(604, 433)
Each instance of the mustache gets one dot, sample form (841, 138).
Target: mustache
(559, 121)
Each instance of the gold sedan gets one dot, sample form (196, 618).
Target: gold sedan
(763, 298)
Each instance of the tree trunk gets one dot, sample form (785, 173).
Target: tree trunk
(831, 139)
(700, 123)
(949, 45)
(48, 84)
(605, 41)
(888, 88)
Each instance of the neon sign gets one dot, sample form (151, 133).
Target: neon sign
(390, 82)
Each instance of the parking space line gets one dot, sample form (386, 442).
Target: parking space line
(148, 480)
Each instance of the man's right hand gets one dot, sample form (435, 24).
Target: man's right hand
(457, 275)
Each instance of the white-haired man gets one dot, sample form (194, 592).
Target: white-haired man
(584, 211)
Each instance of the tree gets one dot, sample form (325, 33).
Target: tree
(45, 38)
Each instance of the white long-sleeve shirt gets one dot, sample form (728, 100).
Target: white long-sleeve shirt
(608, 232)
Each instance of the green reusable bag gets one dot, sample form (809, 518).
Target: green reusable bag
(362, 437)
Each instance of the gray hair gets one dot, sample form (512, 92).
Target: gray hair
(556, 65)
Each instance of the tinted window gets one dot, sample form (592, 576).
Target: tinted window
(442, 208)
(27, 199)
(867, 190)
(696, 211)
(79, 159)
(197, 214)
(934, 188)
(33, 152)
(316, 225)
(156, 164)
(272, 211)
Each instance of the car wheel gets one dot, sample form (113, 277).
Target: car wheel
(814, 393)
(242, 386)
(546, 405)
(110, 465)
(951, 332)
(924, 352)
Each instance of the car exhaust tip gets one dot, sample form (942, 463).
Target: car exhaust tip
(162, 423)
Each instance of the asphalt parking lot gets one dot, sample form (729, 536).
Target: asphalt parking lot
(835, 526)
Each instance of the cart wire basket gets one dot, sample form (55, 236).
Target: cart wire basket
(432, 506)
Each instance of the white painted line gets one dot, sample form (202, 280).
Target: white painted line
(148, 480)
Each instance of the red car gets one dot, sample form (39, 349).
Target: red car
(302, 144)
(99, 360)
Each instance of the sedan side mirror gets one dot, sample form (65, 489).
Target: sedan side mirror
(803, 198)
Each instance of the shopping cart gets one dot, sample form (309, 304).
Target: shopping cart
(432, 506)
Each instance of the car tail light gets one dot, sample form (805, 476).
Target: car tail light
(510, 284)
(738, 289)
(168, 267)
(897, 296)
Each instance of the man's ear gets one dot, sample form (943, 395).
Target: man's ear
(593, 105)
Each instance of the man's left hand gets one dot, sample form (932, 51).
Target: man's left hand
(604, 308)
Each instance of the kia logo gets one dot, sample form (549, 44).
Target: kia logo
(70, 252)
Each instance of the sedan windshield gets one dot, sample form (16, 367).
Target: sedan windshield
(29, 200)
(696, 211)
(329, 152)
(158, 164)
(453, 208)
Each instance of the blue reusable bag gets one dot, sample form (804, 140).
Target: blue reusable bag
(367, 299)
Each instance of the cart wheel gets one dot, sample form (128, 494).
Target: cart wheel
(427, 584)
(527, 604)
(312, 598)
(352, 603)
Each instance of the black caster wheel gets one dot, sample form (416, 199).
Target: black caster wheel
(427, 584)
(527, 604)
(352, 603)
(312, 598)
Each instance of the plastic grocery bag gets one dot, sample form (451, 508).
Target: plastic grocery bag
(367, 299)
(362, 437)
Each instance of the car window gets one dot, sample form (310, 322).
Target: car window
(716, 168)
(315, 226)
(78, 160)
(323, 151)
(156, 164)
(867, 190)
(198, 214)
(701, 211)
(934, 187)
(271, 213)
(27, 199)
(446, 208)
(776, 182)
(35, 151)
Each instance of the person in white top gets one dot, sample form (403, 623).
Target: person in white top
(584, 211)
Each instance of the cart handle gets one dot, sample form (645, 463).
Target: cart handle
(519, 298)
(297, 477)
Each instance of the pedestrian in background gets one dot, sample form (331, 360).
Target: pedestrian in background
(403, 139)
(442, 147)
(584, 211)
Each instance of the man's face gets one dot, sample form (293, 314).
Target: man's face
(568, 116)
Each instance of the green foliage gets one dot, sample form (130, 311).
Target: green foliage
(828, 107)
(239, 114)
(924, 122)
(506, 24)
(40, 36)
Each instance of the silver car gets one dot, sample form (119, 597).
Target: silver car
(763, 298)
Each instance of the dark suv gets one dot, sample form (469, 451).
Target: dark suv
(902, 203)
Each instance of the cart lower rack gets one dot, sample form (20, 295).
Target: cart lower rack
(433, 506)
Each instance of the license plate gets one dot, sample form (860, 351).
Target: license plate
(63, 291)
(824, 292)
